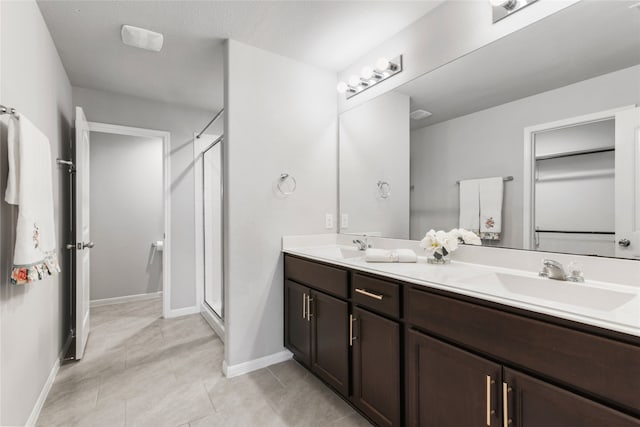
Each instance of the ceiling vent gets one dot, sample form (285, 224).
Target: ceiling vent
(419, 114)
(141, 38)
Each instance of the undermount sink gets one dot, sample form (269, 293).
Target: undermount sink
(336, 252)
(570, 293)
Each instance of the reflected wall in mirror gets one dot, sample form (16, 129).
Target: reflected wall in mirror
(552, 105)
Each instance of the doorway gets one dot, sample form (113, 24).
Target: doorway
(579, 183)
(130, 214)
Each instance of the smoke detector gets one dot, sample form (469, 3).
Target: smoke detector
(419, 114)
(141, 38)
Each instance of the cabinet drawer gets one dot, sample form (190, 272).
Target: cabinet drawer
(596, 365)
(376, 294)
(319, 276)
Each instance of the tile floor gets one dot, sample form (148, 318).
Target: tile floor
(142, 370)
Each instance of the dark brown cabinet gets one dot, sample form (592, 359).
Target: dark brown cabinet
(316, 332)
(376, 367)
(297, 332)
(330, 341)
(529, 402)
(411, 355)
(448, 386)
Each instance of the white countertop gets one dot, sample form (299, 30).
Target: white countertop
(606, 305)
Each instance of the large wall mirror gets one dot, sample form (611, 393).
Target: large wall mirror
(532, 141)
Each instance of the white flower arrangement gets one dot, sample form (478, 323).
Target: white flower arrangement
(439, 244)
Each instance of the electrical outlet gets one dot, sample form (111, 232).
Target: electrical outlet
(328, 221)
(344, 221)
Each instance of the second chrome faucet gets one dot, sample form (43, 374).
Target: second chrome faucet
(552, 269)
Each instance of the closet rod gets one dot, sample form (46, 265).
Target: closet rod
(578, 153)
(210, 123)
(577, 232)
(504, 178)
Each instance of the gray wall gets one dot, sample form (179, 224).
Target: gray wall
(127, 215)
(491, 143)
(282, 121)
(33, 318)
(374, 146)
(451, 30)
(181, 122)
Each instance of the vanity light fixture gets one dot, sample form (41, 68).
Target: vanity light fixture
(504, 8)
(369, 76)
(342, 87)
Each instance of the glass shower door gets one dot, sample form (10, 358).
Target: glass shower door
(212, 221)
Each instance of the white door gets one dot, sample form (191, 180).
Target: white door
(83, 238)
(627, 183)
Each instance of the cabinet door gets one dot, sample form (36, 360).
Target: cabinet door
(330, 341)
(449, 387)
(376, 367)
(532, 403)
(297, 325)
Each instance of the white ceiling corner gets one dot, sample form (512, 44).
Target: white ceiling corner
(189, 69)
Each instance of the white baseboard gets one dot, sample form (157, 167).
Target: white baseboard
(35, 412)
(255, 364)
(213, 320)
(177, 312)
(127, 298)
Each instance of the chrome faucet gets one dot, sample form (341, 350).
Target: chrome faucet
(362, 245)
(553, 270)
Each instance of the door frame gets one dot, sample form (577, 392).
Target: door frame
(528, 192)
(216, 322)
(166, 195)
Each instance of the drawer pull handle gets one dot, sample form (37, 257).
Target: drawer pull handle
(489, 410)
(309, 299)
(351, 337)
(304, 306)
(369, 294)
(506, 421)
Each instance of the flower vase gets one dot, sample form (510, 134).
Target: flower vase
(439, 257)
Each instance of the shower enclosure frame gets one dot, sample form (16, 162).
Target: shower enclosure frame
(199, 149)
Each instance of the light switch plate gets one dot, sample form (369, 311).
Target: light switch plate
(328, 221)
(344, 221)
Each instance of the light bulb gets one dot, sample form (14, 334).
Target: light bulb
(507, 4)
(342, 87)
(382, 64)
(354, 81)
(367, 73)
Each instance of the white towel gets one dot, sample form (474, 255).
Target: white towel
(395, 255)
(491, 191)
(30, 186)
(378, 255)
(406, 255)
(469, 205)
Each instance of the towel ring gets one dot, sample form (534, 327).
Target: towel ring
(286, 184)
(384, 189)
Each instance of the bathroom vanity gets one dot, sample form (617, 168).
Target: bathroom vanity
(406, 351)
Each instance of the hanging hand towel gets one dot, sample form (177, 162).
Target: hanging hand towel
(469, 205)
(491, 190)
(30, 186)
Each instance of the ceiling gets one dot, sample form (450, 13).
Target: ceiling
(585, 40)
(189, 69)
